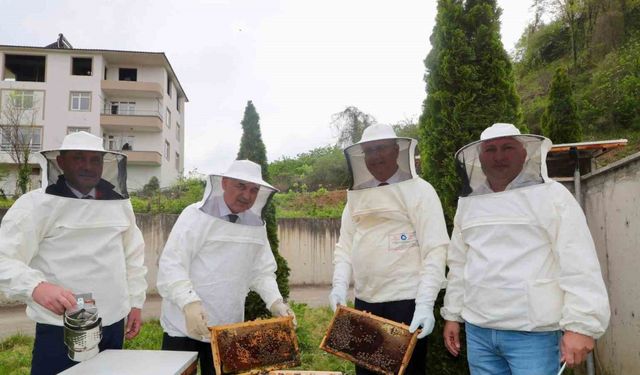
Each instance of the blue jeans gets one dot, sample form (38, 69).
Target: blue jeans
(498, 352)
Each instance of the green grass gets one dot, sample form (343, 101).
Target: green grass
(312, 325)
(15, 355)
(6, 203)
(149, 338)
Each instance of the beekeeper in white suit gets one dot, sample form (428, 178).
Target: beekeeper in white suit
(216, 253)
(393, 237)
(523, 270)
(77, 234)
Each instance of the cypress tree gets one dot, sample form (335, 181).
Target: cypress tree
(470, 85)
(442, 128)
(560, 119)
(252, 148)
(495, 96)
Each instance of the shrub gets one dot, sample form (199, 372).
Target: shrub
(151, 187)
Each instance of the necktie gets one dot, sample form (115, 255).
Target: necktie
(383, 184)
(232, 218)
(87, 197)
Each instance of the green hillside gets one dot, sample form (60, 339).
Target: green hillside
(598, 42)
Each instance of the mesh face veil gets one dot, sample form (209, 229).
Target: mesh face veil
(380, 157)
(240, 191)
(82, 166)
(502, 160)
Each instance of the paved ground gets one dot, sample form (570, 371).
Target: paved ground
(14, 320)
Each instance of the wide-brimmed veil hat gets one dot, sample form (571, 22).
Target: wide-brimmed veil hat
(245, 171)
(114, 169)
(82, 141)
(534, 169)
(355, 155)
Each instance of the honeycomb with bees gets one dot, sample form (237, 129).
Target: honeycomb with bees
(375, 343)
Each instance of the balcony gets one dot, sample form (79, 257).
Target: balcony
(152, 158)
(138, 120)
(132, 89)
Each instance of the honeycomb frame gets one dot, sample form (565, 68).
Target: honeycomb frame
(378, 344)
(258, 346)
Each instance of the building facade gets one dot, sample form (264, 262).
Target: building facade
(133, 100)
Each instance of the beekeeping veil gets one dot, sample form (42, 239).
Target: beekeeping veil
(503, 159)
(240, 192)
(380, 158)
(82, 164)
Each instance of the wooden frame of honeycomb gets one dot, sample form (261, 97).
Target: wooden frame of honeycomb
(257, 346)
(375, 343)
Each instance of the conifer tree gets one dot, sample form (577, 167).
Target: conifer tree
(252, 148)
(560, 119)
(494, 90)
(470, 86)
(441, 127)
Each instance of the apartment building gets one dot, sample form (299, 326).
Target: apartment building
(132, 99)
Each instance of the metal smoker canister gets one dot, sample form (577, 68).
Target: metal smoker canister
(82, 331)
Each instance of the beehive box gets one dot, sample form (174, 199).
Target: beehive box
(378, 344)
(255, 347)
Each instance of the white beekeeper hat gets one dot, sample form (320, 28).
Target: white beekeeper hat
(246, 170)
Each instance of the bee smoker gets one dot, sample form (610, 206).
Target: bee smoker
(82, 329)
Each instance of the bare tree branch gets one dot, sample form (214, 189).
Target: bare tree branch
(350, 124)
(17, 131)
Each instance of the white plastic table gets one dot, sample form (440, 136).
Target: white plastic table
(138, 362)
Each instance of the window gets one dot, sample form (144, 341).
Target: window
(123, 108)
(24, 68)
(128, 74)
(21, 137)
(177, 131)
(105, 74)
(167, 150)
(178, 103)
(22, 99)
(119, 142)
(177, 161)
(75, 129)
(111, 142)
(168, 85)
(168, 118)
(80, 101)
(81, 66)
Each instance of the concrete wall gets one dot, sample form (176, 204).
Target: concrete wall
(611, 198)
(307, 245)
(155, 230)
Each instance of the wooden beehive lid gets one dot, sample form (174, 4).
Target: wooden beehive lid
(376, 343)
(257, 346)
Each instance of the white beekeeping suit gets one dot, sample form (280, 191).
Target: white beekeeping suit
(214, 261)
(89, 245)
(522, 258)
(393, 236)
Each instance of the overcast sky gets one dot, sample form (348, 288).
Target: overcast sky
(298, 61)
